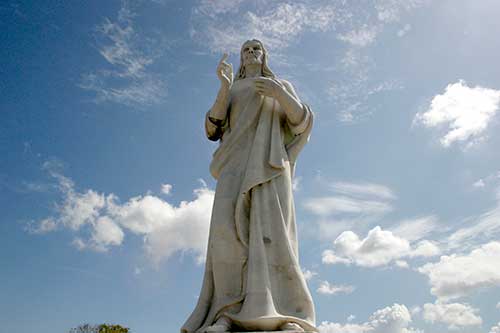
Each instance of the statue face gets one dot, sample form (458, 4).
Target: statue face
(252, 53)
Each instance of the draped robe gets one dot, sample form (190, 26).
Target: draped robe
(252, 273)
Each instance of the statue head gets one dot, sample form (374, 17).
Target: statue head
(253, 52)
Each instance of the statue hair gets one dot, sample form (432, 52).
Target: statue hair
(266, 71)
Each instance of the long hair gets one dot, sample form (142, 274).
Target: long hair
(266, 71)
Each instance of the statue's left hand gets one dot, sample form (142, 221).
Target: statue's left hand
(269, 87)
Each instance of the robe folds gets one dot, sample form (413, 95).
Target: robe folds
(252, 273)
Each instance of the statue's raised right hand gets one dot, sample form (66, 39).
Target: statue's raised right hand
(225, 72)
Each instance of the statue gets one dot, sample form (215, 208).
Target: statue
(253, 281)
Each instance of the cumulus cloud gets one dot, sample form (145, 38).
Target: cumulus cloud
(456, 276)
(308, 275)
(378, 248)
(495, 329)
(100, 221)
(465, 112)
(326, 288)
(392, 319)
(129, 55)
(455, 315)
(106, 233)
(166, 188)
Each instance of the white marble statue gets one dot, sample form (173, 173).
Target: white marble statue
(253, 280)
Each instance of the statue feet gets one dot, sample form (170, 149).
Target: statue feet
(291, 327)
(223, 324)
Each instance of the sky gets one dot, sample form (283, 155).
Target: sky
(106, 194)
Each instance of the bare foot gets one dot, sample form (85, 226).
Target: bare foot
(223, 324)
(291, 327)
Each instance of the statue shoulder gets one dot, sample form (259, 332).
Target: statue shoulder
(288, 86)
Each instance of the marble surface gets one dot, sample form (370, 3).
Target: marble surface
(253, 280)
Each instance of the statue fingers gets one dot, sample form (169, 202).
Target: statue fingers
(262, 86)
(223, 59)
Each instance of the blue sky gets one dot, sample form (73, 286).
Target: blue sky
(104, 183)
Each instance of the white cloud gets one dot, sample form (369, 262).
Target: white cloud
(129, 55)
(363, 190)
(166, 188)
(417, 228)
(403, 31)
(352, 90)
(379, 248)
(42, 227)
(330, 258)
(455, 315)
(393, 319)
(337, 205)
(326, 288)
(166, 228)
(328, 327)
(185, 230)
(495, 329)
(222, 26)
(491, 179)
(276, 24)
(483, 228)
(401, 264)
(465, 112)
(296, 183)
(456, 276)
(106, 233)
(361, 37)
(389, 11)
(351, 318)
(416, 310)
(214, 8)
(308, 275)
(480, 183)
(498, 306)
(353, 203)
(425, 248)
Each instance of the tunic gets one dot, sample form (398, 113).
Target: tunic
(252, 273)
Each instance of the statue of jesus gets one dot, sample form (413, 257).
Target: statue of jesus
(253, 280)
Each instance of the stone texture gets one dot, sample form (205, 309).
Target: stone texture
(253, 280)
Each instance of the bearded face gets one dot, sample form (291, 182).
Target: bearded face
(252, 53)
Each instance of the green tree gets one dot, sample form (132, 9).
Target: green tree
(105, 328)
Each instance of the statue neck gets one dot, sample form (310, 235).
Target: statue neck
(253, 70)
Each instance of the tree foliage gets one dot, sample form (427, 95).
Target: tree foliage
(103, 328)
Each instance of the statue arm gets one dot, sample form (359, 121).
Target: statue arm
(284, 93)
(295, 111)
(215, 119)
